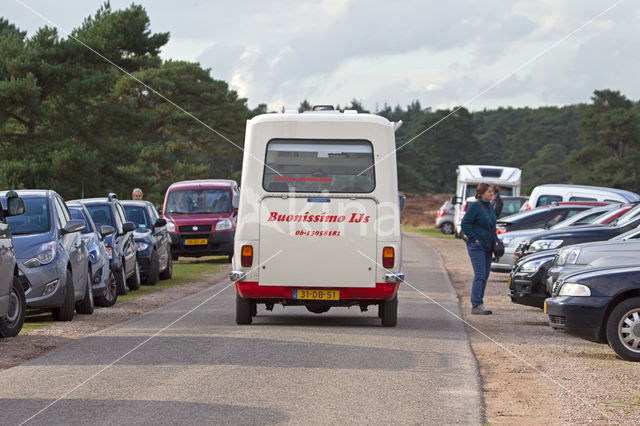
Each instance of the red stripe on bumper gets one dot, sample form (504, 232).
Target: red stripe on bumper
(252, 290)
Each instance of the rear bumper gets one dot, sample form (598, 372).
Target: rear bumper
(217, 243)
(252, 290)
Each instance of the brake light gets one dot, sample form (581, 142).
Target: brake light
(440, 213)
(388, 257)
(246, 256)
(500, 231)
(527, 206)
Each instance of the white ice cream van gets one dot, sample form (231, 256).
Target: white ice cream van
(319, 215)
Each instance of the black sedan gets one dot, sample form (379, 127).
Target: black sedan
(542, 217)
(601, 305)
(528, 279)
(152, 241)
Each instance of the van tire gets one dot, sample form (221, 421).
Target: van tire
(388, 312)
(66, 311)
(11, 325)
(244, 310)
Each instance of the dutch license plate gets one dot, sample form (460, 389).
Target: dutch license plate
(196, 242)
(316, 294)
(545, 307)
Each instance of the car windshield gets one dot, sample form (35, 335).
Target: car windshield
(101, 215)
(77, 213)
(138, 216)
(35, 220)
(319, 166)
(581, 218)
(629, 216)
(519, 216)
(198, 201)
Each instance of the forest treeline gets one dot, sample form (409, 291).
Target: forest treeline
(86, 125)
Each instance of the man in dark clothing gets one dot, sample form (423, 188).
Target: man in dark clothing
(497, 202)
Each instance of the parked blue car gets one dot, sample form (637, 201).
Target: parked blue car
(53, 261)
(105, 289)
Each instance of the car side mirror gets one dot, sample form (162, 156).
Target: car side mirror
(454, 200)
(15, 206)
(74, 225)
(128, 227)
(106, 230)
(402, 201)
(160, 222)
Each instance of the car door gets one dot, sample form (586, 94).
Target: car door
(128, 244)
(160, 236)
(71, 243)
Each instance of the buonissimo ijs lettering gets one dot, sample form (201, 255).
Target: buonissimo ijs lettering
(324, 217)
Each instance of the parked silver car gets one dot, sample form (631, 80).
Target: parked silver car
(444, 218)
(13, 304)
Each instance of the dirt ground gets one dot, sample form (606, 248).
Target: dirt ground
(532, 374)
(24, 347)
(420, 210)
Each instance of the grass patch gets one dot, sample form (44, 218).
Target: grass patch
(185, 271)
(432, 232)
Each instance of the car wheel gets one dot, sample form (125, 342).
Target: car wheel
(447, 228)
(388, 312)
(168, 270)
(11, 325)
(121, 281)
(134, 280)
(243, 310)
(111, 293)
(66, 311)
(623, 329)
(86, 305)
(154, 269)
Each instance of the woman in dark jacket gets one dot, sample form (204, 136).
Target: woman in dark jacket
(479, 226)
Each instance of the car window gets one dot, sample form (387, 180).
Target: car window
(61, 212)
(612, 201)
(511, 206)
(319, 165)
(35, 220)
(576, 198)
(101, 215)
(77, 213)
(137, 215)
(545, 200)
(153, 213)
(558, 216)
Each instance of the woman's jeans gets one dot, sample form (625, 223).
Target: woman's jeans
(481, 261)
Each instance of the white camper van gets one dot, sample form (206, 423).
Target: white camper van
(469, 176)
(543, 195)
(319, 215)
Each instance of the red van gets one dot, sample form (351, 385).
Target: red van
(201, 217)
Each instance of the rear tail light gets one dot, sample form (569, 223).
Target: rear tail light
(440, 213)
(388, 257)
(246, 256)
(527, 206)
(500, 231)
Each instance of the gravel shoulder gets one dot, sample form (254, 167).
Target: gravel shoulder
(24, 347)
(531, 373)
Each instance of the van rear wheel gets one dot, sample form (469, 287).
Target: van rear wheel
(244, 310)
(388, 312)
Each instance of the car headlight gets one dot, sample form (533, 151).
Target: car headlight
(532, 265)
(171, 227)
(46, 254)
(573, 289)
(93, 257)
(568, 256)
(142, 246)
(224, 225)
(544, 245)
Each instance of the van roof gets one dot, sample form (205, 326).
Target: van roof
(489, 174)
(631, 196)
(316, 116)
(203, 183)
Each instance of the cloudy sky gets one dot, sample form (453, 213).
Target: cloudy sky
(442, 53)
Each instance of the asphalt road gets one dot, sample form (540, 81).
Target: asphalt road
(177, 365)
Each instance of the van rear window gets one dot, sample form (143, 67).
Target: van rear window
(319, 166)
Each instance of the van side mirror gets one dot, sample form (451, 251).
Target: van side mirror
(15, 206)
(402, 201)
(160, 222)
(128, 227)
(106, 230)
